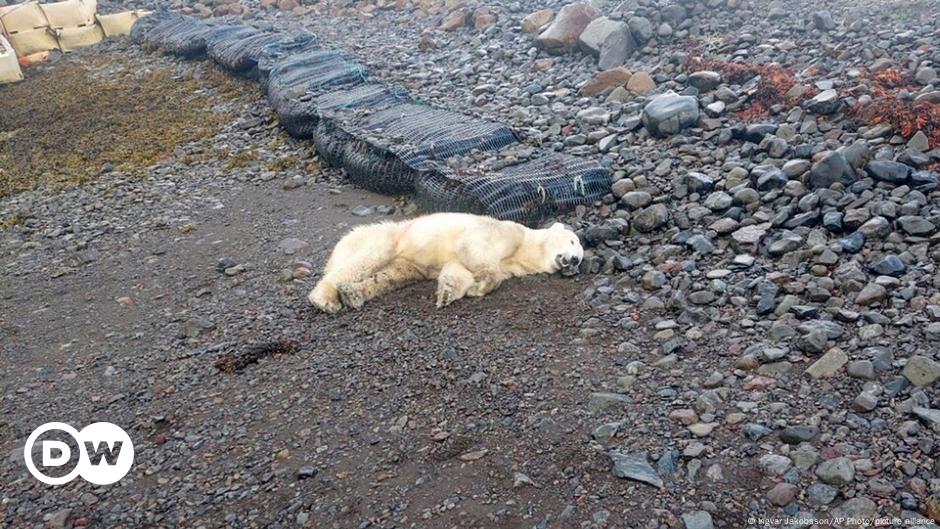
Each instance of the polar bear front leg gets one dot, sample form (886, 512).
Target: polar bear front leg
(452, 283)
(485, 281)
(394, 275)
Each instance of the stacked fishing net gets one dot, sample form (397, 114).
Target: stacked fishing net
(387, 150)
(239, 52)
(527, 192)
(380, 135)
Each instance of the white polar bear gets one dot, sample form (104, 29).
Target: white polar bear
(470, 255)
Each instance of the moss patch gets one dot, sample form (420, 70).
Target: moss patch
(61, 125)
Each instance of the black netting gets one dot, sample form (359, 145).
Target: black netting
(179, 35)
(300, 116)
(393, 146)
(295, 43)
(239, 52)
(330, 141)
(145, 26)
(294, 83)
(528, 192)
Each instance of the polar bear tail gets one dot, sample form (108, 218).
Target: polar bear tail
(360, 254)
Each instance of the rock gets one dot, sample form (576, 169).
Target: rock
(640, 29)
(871, 294)
(483, 18)
(636, 199)
(863, 369)
(606, 80)
(774, 464)
(831, 168)
(641, 83)
(616, 48)
(537, 20)
(597, 32)
(705, 80)
(823, 21)
(839, 471)
(698, 520)
(921, 371)
(455, 20)
(634, 466)
(594, 116)
(670, 113)
(795, 435)
(821, 494)
(930, 417)
(888, 265)
(825, 102)
(857, 508)
(650, 218)
(290, 246)
(564, 31)
(601, 401)
(782, 494)
(888, 171)
(828, 364)
(914, 225)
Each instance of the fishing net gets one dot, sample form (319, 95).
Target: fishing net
(394, 145)
(146, 29)
(293, 84)
(301, 116)
(239, 52)
(180, 35)
(295, 43)
(528, 192)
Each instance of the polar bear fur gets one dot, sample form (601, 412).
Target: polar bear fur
(469, 255)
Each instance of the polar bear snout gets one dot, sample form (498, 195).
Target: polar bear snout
(567, 261)
(567, 264)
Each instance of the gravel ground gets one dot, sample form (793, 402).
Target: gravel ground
(753, 337)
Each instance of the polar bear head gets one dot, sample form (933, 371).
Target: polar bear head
(562, 249)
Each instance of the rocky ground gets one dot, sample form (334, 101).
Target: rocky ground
(754, 335)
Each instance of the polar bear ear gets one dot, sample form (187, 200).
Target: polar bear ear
(557, 226)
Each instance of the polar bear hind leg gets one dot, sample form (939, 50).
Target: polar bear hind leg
(452, 283)
(396, 274)
(360, 254)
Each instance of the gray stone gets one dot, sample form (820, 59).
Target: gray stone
(839, 471)
(914, 225)
(825, 102)
(651, 218)
(921, 371)
(616, 48)
(601, 401)
(641, 29)
(832, 168)
(888, 171)
(698, 520)
(705, 81)
(670, 113)
(596, 33)
(828, 364)
(635, 467)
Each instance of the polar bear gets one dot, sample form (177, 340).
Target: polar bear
(469, 255)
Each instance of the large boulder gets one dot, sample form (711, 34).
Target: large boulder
(669, 113)
(594, 35)
(606, 80)
(617, 48)
(537, 20)
(563, 33)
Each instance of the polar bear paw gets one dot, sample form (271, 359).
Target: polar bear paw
(325, 299)
(350, 296)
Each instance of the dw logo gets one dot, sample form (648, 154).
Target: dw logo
(105, 453)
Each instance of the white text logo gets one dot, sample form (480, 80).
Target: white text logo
(105, 453)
